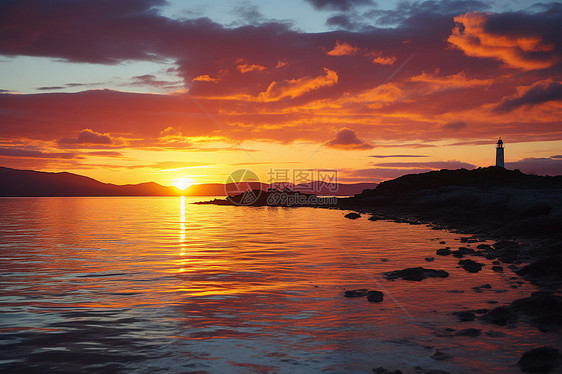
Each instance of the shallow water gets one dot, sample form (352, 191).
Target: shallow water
(149, 284)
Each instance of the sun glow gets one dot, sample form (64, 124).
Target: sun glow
(182, 183)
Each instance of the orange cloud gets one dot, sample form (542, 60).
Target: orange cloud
(246, 68)
(519, 51)
(380, 59)
(205, 78)
(280, 64)
(449, 81)
(297, 87)
(343, 49)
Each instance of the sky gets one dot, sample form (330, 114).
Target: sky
(132, 91)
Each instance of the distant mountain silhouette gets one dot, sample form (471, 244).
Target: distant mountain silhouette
(14, 182)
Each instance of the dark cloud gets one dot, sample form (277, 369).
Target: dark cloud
(150, 80)
(105, 153)
(341, 5)
(248, 13)
(88, 136)
(539, 166)
(50, 88)
(421, 11)
(537, 94)
(458, 125)
(433, 165)
(14, 152)
(395, 156)
(347, 139)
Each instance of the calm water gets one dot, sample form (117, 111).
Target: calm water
(157, 284)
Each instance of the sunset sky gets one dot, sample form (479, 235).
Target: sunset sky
(132, 91)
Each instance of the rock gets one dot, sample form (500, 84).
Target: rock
(466, 251)
(539, 360)
(542, 310)
(470, 266)
(457, 254)
(442, 242)
(497, 268)
(497, 316)
(440, 356)
(443, 251)
(545, 271)
(416, 274)
(381, 370)
(352, 215)
(375, 296)
(484, 246)
(356, 293)
(487, 285)
(468, 332)
(456, 291)
(429, 259)
(465, 315)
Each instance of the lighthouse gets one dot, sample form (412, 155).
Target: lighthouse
(499, 153)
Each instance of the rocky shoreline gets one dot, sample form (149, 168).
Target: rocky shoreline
(521, 213)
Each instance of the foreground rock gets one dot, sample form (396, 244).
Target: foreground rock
(542, 310)
(356, 293)
(352, 215)
(375, 296)
(416, 274)
(540, 360)
(471, 266)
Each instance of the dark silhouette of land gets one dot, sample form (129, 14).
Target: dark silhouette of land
(37, 183)
(14, 182)
(279, 198)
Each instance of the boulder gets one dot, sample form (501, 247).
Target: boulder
(375, 296)
(416, 274)
(356, 293)
(465, 315)
(443, 251)
(471, 266)
(539, 360)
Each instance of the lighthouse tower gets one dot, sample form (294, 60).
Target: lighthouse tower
(499, 153)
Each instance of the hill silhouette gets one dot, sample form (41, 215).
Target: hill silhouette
(37, 183)
(16, 182)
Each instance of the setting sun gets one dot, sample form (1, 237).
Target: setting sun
(182, 183)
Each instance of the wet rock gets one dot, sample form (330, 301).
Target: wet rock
(487, 285)
(466, 251)
(352, 215)
(497, 268)
(540, 360)
(375, 296)
(356, 293)
(443, 251)
(440, 356)
(471, 266)
(542, 310)
(456, 291)
(484, 246)
(545, 271)
(496, 262)
(381, 370)
(498, 316)
(468, 332)
(442, 242)
(429, 259)
(465, 315)
(457, 254)
(471, 239)
(416, 274)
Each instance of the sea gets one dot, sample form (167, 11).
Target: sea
(158, 284)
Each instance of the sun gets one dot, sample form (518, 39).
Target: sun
(182, 183)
